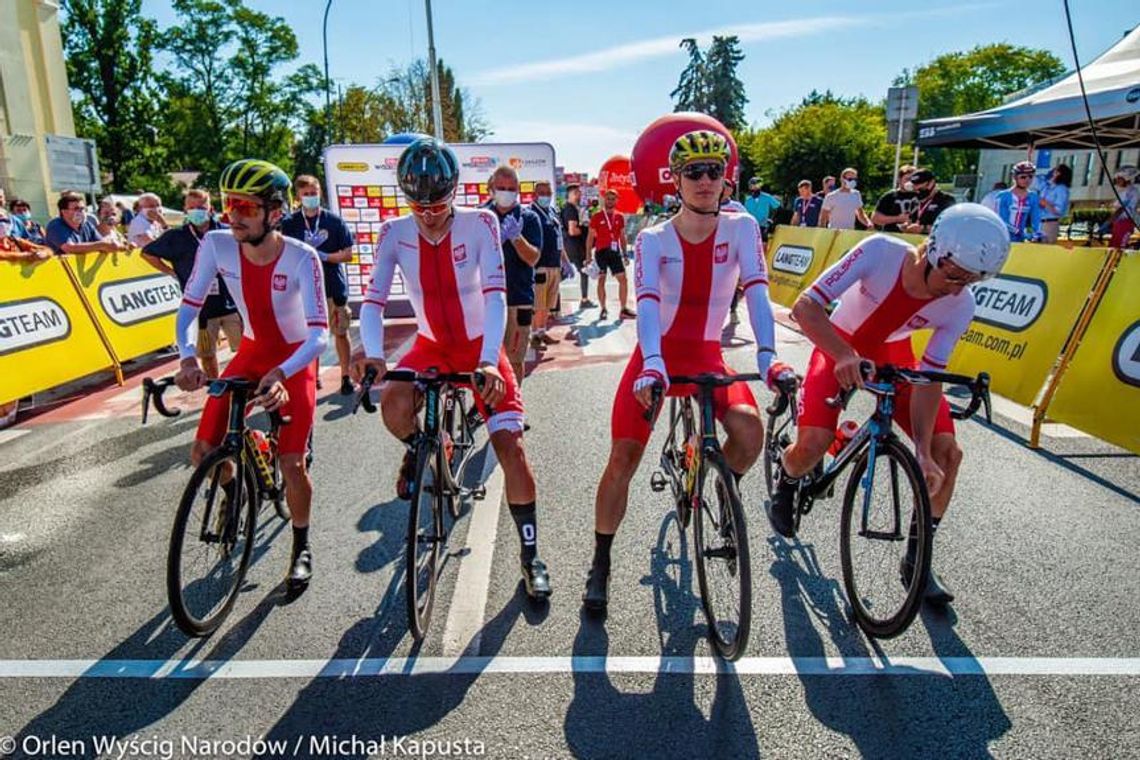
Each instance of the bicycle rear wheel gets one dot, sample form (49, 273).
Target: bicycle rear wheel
(462, 445)
(210, 544)
(724, 569)
(873, 540)
(424, 541)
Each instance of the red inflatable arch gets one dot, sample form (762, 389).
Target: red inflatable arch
(650, 159)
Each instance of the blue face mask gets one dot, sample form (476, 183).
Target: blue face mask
(24, 217)
(197, 216)
(543, 200)
(311, 202)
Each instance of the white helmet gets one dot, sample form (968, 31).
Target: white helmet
(971, 236)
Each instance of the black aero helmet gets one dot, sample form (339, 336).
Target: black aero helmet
(428, 171)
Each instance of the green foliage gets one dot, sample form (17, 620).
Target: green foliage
(975, 80)
(709, 84)
(813, 140)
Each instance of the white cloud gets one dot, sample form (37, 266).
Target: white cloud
(578, 147)
(632, 52)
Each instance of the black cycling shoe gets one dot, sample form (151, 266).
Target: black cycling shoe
(300, 571)
(597, 593)
(346, 388)
(937, 592)
(536, 579)
(406, 480)
(781, 510)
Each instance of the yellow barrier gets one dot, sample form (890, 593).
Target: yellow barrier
(796, 256)
(845, 240)
(1100, 391)
(47, 336)
(134, 303)
(1023, 317)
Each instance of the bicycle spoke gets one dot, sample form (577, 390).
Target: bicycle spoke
(722, 564)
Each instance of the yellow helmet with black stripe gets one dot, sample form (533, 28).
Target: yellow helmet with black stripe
(253, 176)
(701, 145)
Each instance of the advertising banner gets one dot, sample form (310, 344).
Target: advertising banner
(46, 336)
(796, 256)
(362, 189)
(1100, 391)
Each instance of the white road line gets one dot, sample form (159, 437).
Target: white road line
(462, 632)
(420, 666)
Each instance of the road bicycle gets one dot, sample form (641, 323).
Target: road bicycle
(442, 449)
(690, 459)
(212, 537)
(885, 589)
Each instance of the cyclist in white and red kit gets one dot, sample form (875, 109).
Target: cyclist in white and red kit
(451, 261)
(686, 271)
(886, 290)
(278, 287)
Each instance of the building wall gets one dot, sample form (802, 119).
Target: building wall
(34, 99)
(1091, 186)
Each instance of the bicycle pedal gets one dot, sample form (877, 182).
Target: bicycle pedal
(657, 482)
(478, 494)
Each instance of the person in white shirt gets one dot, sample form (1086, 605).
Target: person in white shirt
(843, 206)
(148, 224)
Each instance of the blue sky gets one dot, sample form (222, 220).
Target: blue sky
(588, 76)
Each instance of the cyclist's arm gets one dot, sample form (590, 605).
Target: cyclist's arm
(810, 311)
(194, 296)
(754, 280)
(924, 402)
(646, 280)
(376, 296)
(494, 292)
(310, 275)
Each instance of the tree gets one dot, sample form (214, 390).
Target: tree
(109, 48)
(965, 82)
(814, 140)
(709, 84)
(406, 103)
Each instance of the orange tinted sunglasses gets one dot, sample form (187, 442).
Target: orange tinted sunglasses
(243, 207)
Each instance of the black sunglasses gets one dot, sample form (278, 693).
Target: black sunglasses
(696, 171)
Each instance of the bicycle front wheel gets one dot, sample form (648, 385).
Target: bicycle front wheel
(884, 539)
(779, 435)
(425, 539)
(210, 543)
(724, 568)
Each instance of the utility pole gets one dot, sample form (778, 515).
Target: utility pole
(328, 87)
(436, 107)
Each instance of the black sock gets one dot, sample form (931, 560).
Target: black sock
(602, 544)
(300, 539)
(524, 518)
(410, 440)
(736, 475)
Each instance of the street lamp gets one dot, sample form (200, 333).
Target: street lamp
(436, 108)
(328, 100)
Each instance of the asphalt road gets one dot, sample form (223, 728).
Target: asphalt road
(1039, 657)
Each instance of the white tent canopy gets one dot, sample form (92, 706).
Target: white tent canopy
(1055, 115)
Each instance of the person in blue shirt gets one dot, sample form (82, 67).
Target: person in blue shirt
(521, 233)
(548, 276)
(1054, 200)
(805, 208)
(1019, 207)
(760, 204)
(22, 218)
(329, 234)
(73, 231)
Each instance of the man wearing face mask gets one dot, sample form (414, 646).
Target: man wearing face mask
(606, 243)
(548, 275)
(893, 211)
(328, 233)
(108, 224)
(73, 232)
(930, 202)
(174, 253)
(149, 224)
(521, 232)
(21, 216)
(761, 205)
(843, 206)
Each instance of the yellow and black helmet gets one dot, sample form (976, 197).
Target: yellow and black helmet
(701, 145)
(253, 176)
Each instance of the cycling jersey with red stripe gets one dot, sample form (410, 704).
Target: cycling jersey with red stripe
(874, 309)
(456, 285)
(282, 304)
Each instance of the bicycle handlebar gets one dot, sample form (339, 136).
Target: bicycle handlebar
(152, 393)
(979, 386)
(705, 379)
(223, 385)
(364, 399)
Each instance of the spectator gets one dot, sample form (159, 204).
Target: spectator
(73, 231)
(761, 204)
(828, 186)
(107, 224)
(894, 208)
(842, 207)
(727, 202)
(15, 248)
(522, 247)
(575, 240)
(16, 224)
(548, 275)
(1019, 207)
(328, 233)
(806, 208)
(605, 243)
(990, 198)
(22, 217)
(174, 253)
(1054, 200)
(148, 225)
(126, 214)
(1123, 217)
(931, 202)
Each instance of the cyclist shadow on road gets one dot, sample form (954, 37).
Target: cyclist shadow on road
(888, 716)
(584, 333)
(94, 706)
(603, 721)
